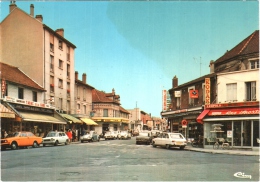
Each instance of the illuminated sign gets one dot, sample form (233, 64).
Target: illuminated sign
(207, 91)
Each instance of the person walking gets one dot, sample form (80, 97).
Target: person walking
(69, 134)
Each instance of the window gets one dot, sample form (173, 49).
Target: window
(231, 92)
(105, 112)
(60, 103)
(51, 64)
(251, 91)
(60, 64)
(51, 84)
(191, 101)
(68, 107)
(68, 71)
(178, 103)
(60, 83)
(84, 94)
(85, 109)
(254, 64)
(20, 93)
(34, 96)
(60, 44)
(68, 89)
(51, 47)
(68, 53)
(6, 89)
(78, 92)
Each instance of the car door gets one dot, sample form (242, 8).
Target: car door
(62, 137)
(23, 139)
(159, 139)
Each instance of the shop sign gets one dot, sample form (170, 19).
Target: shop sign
(194, 94)
(26, 102)
(229, 133)
(7, 115)
(164, 100)
(207, 91)
(184, 123)
(32, 108)
(244, 111)
(177, 93)
(3, 85)
(235, 104)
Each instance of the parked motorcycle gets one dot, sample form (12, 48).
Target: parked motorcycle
(197, 142)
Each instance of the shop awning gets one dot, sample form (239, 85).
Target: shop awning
(202, 115)
(71, 118)
(40, 118)
(111, 119)
(88, 121)
(6, 113)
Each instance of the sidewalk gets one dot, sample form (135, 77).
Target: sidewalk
(221, 151)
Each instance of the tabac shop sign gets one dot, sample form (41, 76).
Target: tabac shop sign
(207, 91)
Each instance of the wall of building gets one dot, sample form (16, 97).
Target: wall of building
(22, 44)
(239, 77)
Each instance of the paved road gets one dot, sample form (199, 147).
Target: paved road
(123, 160)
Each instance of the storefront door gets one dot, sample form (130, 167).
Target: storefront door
(242, 133)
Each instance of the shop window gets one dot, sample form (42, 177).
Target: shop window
(251, 91)
(34, 96)
(20, 93)
(231, 92)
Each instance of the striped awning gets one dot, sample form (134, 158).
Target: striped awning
(88, 121)
(71, 118)
(40, 118)
(6, 113)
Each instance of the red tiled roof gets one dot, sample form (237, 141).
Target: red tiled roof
(248, 46)
(123, 110)
(15, 75)
(99, 96)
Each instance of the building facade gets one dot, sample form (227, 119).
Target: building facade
(45, 55)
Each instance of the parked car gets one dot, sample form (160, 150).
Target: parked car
(155, 133)
(90, 137)
(144, 137)
(169, 140)
(55, 138)
(108, 135)
(115, 134)
(124, 135)
(20, 139)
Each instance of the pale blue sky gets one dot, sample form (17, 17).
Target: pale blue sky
(138, 47)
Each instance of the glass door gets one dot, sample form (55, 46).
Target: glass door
(246, 133)
(237, 133)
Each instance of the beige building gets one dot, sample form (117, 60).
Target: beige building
(45, 55)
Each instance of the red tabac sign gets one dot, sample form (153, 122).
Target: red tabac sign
(244, 111)
(194, 94)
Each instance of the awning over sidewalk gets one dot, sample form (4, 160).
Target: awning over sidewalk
(111, 119)
(40, 118)
(202, 115)
(71, 118)
(88, 121)
(6, 113)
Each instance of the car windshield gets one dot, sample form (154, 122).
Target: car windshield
(123, 132)
(13, 134)
(143, 134)
(176, 136)
(108, 133)
(51, 134)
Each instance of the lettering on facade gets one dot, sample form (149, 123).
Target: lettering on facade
(164, 100)
(32, 108)
(235, 112)
(207, 91)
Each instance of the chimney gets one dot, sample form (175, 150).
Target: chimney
(39, 17)
(211, 65)
(113, 91)
(76, 75)
(12, 6)
(174, 82)
(84, 78)
(60, 32)
(32, 10)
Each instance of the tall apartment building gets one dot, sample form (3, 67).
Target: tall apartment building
(43, 54)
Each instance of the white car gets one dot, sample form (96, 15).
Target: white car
(55, 138)
(169, 140)
(115, 134)
(124, 135)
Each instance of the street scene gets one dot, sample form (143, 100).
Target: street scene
(129, 91)
(123, 160)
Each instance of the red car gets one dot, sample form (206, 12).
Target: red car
(20, 139)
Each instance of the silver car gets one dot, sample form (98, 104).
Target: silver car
(90, 137)
(124, 135)
(55, 138)
(169, 140)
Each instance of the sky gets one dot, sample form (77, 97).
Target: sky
(137, 47)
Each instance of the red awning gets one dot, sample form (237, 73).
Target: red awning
(202, 115)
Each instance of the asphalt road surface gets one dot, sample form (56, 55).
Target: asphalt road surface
(123, 160)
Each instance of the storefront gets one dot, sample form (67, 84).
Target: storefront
(31, 116)
(235, 123)
(175, 122)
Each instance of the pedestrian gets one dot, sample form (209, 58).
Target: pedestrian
(69, 134)
(5, 134)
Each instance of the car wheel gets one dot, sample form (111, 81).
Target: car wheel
(14, 146)
(154, 145)
(167, 146)
(182, 147)
(56, 143)
(35, 145)
(92, 139)
(44, 145)
(81, 141)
